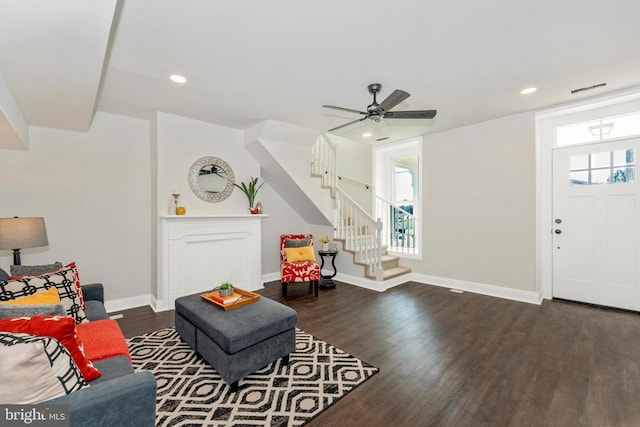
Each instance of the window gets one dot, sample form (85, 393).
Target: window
(598, 130)
(398, 183)
(606, 167)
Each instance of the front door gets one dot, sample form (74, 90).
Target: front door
(596, 227)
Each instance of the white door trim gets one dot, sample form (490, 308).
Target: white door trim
(546, 121)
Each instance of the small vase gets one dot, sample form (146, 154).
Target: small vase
(325, 246)
(226, 292)
(259, 207)
(253, 211)
(180, 210)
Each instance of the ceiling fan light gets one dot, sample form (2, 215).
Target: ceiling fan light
(177, 78)
(367, 134)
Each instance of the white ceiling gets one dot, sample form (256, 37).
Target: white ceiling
(248, 61)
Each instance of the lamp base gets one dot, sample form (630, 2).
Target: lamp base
(16, 257)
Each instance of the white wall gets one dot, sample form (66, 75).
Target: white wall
(282, 219)
(181, 142)
(93, 189)
(101, 193)
(354, 164)
(479, 204)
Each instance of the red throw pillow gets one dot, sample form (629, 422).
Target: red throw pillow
(62, 329)
(102, 339)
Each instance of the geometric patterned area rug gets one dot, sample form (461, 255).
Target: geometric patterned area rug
(191, 393)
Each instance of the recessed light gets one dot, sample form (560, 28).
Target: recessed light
(528, 90)
(367, 134)
(177, 78)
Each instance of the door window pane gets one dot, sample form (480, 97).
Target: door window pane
(623, 157)
(580, 178)
(599, 160)
(606, 167)
(579, 162)
(600, 176)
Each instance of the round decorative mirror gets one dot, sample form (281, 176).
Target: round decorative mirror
(211, 179)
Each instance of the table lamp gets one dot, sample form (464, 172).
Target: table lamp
(20, 233)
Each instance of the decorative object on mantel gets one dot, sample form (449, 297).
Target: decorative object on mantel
(325, 242)
(177, 209)
(20, 233)
(259, 207)
(211, 179)
(174, 203)
(250, 190)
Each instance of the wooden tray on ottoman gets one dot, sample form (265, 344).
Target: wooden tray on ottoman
(246, 297)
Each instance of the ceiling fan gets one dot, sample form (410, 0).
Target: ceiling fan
(376, 112)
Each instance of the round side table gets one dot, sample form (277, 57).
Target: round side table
(326, 280)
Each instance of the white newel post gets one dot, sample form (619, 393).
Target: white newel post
(198, 253)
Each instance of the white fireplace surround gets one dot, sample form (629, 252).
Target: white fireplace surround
(198, 253)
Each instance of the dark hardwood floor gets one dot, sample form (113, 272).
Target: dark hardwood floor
(450, 359)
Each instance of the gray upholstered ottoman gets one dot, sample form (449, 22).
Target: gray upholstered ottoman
(239, 341)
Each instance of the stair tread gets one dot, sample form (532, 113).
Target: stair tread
(389, 273)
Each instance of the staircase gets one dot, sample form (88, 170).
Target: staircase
(389, 264)
(359, 233)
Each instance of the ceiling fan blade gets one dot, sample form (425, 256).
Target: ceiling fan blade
(344, 109)
(418, 114)
(392, 100)
(347, 124)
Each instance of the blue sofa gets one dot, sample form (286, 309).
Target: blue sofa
(120, 397)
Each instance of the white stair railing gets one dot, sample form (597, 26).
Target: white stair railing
(399, 227)
(360, 233)
(323, 162)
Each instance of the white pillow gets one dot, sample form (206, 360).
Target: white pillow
(35, 369)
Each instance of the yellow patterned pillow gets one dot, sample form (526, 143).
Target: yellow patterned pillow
(303, 253)
(49, 297)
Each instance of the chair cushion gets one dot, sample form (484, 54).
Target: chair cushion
(306, 271)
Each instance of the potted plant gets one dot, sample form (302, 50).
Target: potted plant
(226, 289)
(250, 190)
(325, 242)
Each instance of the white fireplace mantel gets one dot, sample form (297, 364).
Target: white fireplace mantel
(199, 252)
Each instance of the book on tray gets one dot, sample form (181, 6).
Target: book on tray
(226, 300)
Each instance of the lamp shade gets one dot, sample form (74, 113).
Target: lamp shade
(20, 233)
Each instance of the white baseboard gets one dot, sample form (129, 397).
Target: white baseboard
(127, 303)
(270, 277)
(531, 297)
